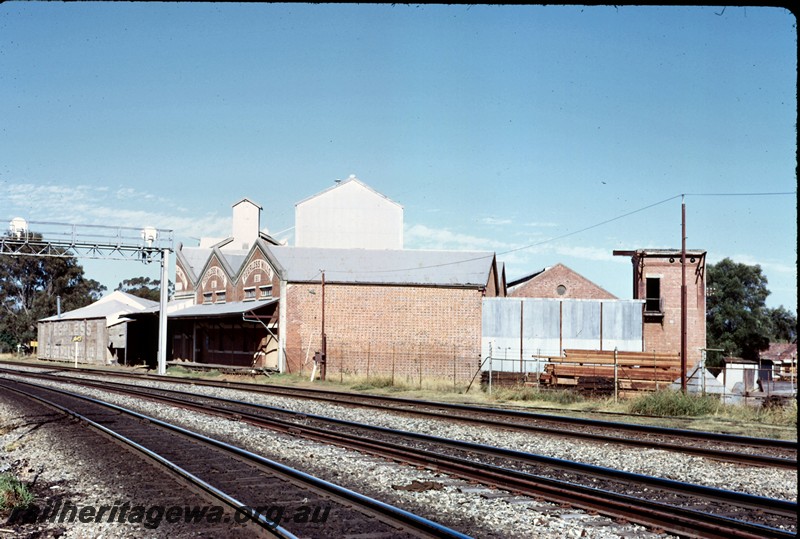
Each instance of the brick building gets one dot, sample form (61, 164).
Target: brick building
(657, 279)
(391, 312)
(385, 311)
(556, 282)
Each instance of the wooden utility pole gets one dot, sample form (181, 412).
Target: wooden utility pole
(324, 358)
(683, 296)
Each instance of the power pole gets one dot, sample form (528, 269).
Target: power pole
(683, 295)
(324, 358)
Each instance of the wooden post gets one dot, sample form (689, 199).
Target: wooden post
(684, 337)
(323, 367)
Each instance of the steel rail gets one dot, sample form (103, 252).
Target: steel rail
(268, 525)
(719, 454)
(665, 516)
(340, 396)
(419, 524)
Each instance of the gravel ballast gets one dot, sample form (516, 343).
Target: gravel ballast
(450, 501)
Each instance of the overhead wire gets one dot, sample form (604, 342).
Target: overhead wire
(590, 227)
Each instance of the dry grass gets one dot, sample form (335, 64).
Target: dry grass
(664, 407)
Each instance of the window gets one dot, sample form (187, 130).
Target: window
(221, 296)
(249, 294)
(206, 297)
(652, 301)
(561, 290)
(265, 291)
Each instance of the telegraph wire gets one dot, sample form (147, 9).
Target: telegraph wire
(740, 194)
(590, 227)
(533, 244)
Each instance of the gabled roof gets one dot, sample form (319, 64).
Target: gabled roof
(111, 307)
(195, 259)
(385, 266)
(526, 278)
(541, 276)
(351, 179)
(245, 199)
(780, 351)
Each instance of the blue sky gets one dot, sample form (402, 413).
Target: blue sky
(544, 133)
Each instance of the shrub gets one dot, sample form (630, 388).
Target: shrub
(14, 494)
(674, 403)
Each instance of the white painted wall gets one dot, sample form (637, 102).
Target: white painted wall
(349, 216)
(246, 223)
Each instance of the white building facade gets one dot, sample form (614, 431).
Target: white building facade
(349, 215)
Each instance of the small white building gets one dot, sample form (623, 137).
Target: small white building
(349, 215)
(740, 376)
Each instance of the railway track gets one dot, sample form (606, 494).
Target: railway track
(723, 447)
(279, 500)
(681, 508)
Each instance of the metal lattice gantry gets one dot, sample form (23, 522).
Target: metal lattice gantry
(39, 238)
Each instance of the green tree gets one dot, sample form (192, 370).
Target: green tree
(144, 287)
(30, 286)
(737, 319)
(784, 325)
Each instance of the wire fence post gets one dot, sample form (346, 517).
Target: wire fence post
(454, 368)
(419, 364)
(490, 374)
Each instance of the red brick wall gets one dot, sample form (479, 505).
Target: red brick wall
(255, 273)
(214, 280)
(545, 285)
(664, 334)
(400, 331)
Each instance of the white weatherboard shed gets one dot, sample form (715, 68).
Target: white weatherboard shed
(349, 215)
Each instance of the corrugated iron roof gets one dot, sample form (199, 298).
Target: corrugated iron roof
(196, 258)
(110, 306)
(220, 309)
(384, 266)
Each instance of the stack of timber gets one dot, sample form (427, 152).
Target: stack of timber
(508, 379)
(596, 370)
